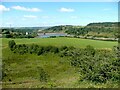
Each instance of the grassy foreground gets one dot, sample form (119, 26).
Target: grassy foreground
(22, 70)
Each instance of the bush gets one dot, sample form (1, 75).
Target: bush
(55, 50)
(48, 48)
(36, 49)
(98, 68)
(90, 50)
(11, 44)
(64, 48)
(40, 50)
(33, 48)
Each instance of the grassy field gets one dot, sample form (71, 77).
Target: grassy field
(22, 70)
(76, 42)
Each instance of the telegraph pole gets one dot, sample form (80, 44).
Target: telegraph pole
(10, 25)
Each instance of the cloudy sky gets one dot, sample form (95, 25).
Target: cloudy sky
(20, 14)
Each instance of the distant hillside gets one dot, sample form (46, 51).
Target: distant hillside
(62, 28)
(108, 27)
(104, 24)
(33, 28)
(105, 29)
(23, 29)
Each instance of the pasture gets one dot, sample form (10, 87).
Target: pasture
(63, 41)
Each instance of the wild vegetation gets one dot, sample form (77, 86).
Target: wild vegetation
(95, 65)
(38, 65)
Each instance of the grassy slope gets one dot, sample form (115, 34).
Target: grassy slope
(23, 69)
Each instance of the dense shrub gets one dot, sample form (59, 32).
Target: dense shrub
(11, 44)
(48, 48)
(90, 50)
(66, 51)
(32, 49)
(55, 50)
(100, 67)
(21, 49)
(40, 50)
(64, 48)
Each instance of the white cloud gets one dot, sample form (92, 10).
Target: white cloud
(26, 9)
(66, 10)
(30, 16)
(3, 8)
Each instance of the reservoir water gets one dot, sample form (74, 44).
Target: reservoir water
(46, 35)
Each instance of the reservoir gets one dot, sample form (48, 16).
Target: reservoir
(46, 35)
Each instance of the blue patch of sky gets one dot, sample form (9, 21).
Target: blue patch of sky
(50, 15)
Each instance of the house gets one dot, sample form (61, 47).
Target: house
(27, 33)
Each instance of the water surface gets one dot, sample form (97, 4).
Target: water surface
(46, 35)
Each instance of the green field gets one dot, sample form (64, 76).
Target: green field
(22, 70)
(76, 42)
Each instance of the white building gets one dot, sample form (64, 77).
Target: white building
(27, 33)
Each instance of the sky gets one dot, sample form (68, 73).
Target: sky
(59, 0)
(39, 14)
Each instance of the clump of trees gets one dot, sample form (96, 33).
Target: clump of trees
(19, 33)
(12, 44)
(32, 49)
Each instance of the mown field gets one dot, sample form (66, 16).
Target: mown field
(76, 42)
(22, 71)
